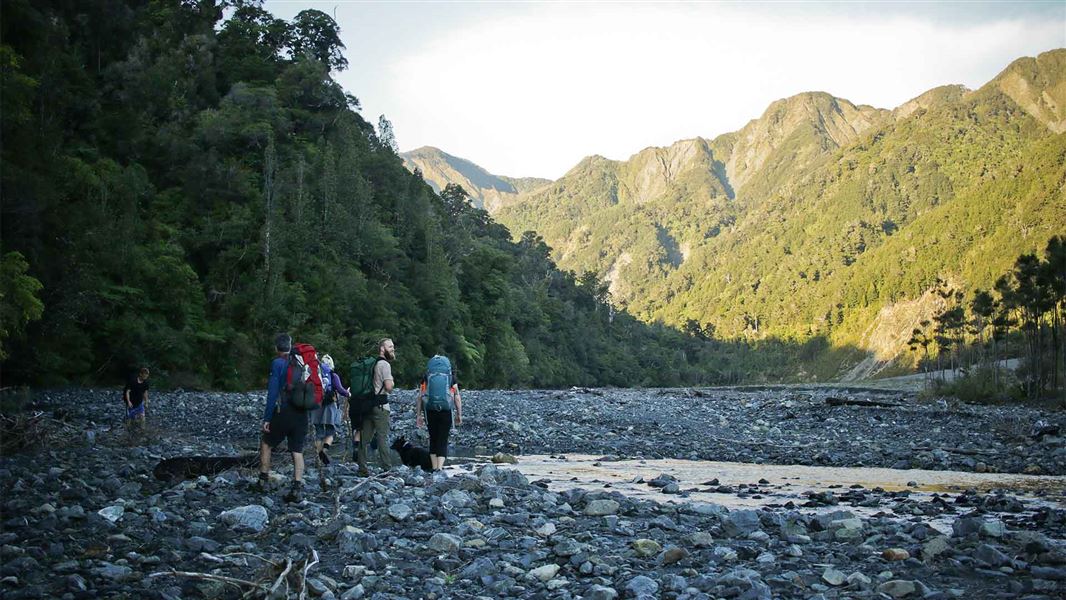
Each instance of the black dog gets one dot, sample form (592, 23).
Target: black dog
(412, 455)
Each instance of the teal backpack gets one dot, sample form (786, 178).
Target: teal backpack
(438, 384)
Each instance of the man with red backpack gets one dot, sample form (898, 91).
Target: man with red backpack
(294, 388)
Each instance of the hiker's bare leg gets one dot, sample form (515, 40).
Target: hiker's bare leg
(298, 466)
(438, 462)
(264, 457)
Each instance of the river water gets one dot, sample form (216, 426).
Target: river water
(786, 483)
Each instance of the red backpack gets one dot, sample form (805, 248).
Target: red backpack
(303, 380)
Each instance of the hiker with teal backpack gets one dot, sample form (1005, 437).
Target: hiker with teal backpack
(438, 396)
(369, 406)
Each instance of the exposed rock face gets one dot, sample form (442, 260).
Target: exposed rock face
(1038, 85)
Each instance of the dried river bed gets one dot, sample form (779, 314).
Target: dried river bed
(84, 517)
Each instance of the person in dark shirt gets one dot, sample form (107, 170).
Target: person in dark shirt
(135, 395)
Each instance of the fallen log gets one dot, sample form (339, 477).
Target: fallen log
(180, 468)
(834, 401)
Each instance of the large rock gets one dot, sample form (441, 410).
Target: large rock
(935, 547)
(898, 588)
(672, 554)
(895, 554)
(252, 517)
(964, 526)
(833, 576)
(600, 508)
(445, 543)
(991, 556)
(741, 522)
(457, 499)
(113, 572)
(400, 512)
(112, 513)
(642, 586)
(847, 529)
(544, 573)
(354, 541)
(502, 458)
(599, 592)
(646, 547)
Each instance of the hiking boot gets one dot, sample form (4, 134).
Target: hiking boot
(262, 485)
(323, 457)
(362, 473)
(295, 493)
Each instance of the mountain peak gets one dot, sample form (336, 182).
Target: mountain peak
(813, 123)
(945, 94)
(1038, 85)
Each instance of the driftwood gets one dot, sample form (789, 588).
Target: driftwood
(833, 401)
(240, 583)
(963, 451)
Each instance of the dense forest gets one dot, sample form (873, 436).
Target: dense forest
(183, 179)
(972, 336)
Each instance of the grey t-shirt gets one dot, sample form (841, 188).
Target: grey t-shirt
(382, 373)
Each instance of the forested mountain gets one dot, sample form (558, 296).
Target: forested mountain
(821, 218)
(179, 185)
(486, 190)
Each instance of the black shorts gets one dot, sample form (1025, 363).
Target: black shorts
(288, 424)
(439, 423)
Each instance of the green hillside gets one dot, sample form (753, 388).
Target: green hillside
(820, 217)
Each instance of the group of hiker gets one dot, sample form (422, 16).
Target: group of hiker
(304, 388)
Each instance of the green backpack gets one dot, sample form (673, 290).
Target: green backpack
(364, 396)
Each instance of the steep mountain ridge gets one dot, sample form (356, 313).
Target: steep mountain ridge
(820, 217)
(487, 191)
(797, 129)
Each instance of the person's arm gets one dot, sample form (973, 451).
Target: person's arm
(458, 405)
(146, 399)
(338, 385)
(387, 383)
(273, 391)
(126, 395)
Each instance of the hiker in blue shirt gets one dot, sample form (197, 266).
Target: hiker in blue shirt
(282, 421)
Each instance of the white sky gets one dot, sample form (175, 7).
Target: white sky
(528, 89)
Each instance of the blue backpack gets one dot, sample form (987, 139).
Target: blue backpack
(438, 384)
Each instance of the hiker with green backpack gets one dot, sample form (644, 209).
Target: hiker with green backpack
(369, 409)
(438, 396)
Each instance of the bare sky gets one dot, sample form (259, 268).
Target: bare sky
(530, 88)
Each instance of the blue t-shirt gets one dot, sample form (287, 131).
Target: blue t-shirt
(278, 370)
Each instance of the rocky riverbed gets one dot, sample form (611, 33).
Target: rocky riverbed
(83, 516)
